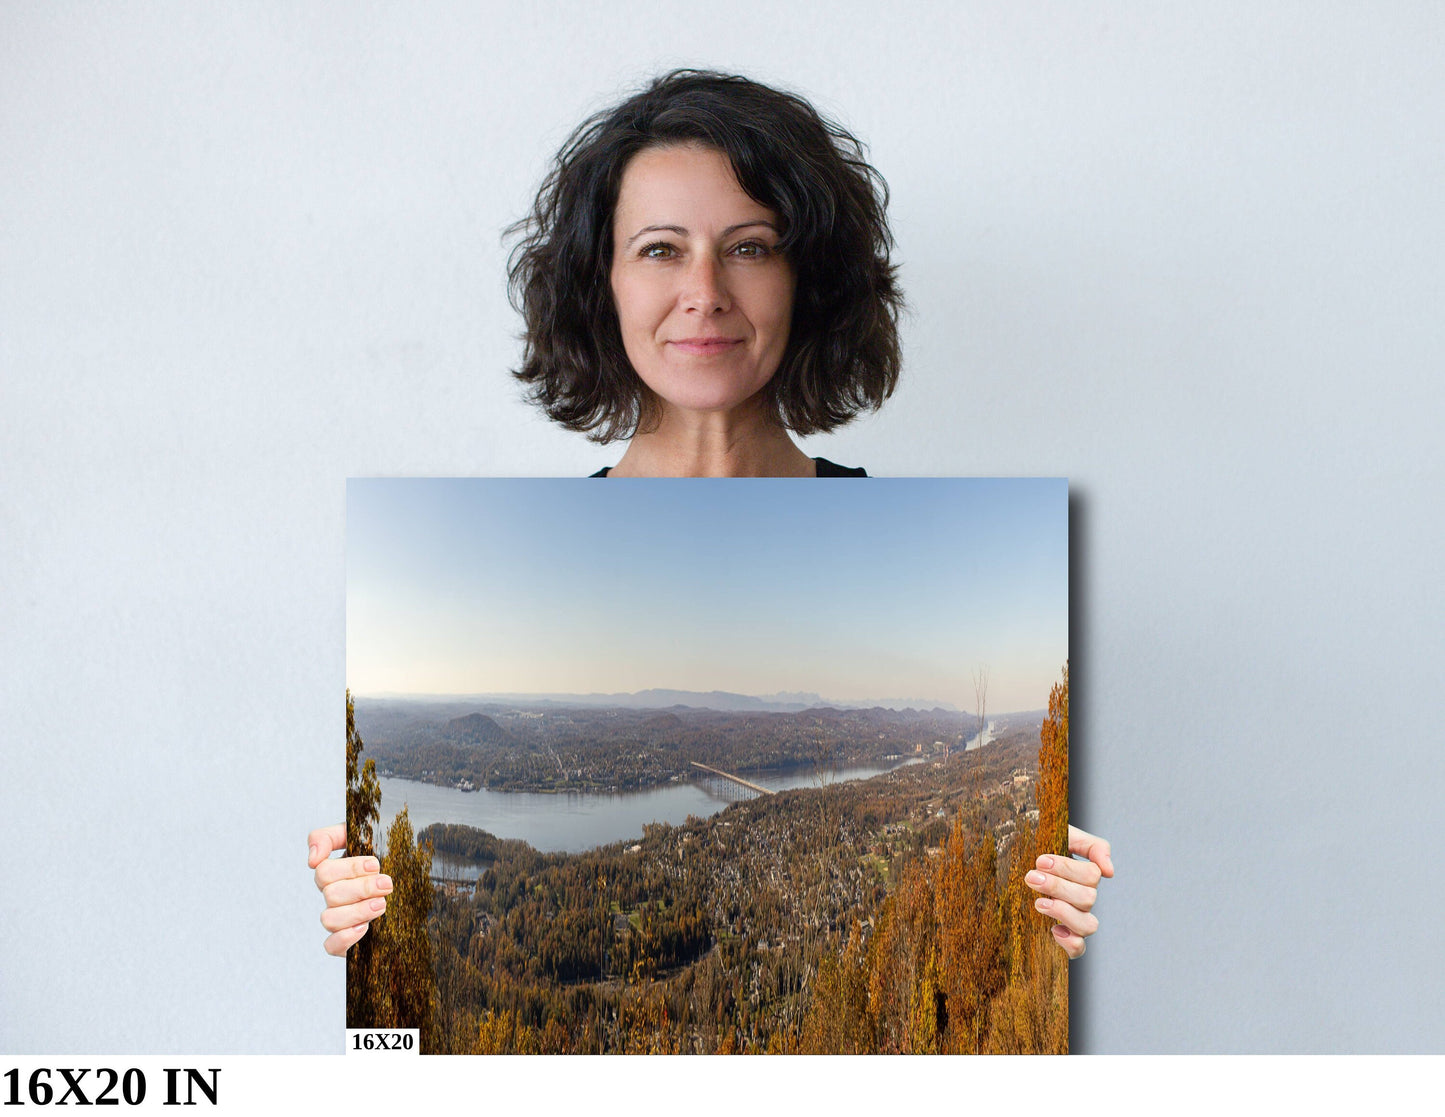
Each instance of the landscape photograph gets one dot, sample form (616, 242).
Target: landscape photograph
(708, 766)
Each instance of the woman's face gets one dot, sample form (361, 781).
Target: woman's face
(703, 296)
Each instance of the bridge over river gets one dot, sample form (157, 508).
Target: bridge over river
(759, 788)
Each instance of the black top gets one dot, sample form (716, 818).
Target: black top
(825, 469)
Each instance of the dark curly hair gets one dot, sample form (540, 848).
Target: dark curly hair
(843, 353)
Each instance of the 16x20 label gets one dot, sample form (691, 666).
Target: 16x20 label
(391, 1041)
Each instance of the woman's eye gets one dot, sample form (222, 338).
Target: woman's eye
(658, 251)
(751, 249)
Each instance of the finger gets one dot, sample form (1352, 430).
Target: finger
(339, 919)
(1070, 868)
(1079, 895)
(351, 890)
(1095, 848)
(340, 868)
(1072, 944)
(1079, 922)
(338, 944)
(323, 842)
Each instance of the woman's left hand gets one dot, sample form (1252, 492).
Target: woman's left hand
(1068, 887)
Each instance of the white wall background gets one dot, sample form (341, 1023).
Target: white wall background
(1188, 256)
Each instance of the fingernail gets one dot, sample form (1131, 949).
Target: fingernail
(313, 854)
(1041, 904)
(372, 865)
(1060, 931)
(1035, 879)
(378, 905)
(1046, 862)
(384, 883)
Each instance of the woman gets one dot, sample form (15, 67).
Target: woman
(705, 273)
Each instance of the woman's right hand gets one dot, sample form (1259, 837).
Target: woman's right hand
(355, 888)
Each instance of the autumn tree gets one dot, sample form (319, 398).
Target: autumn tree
(971, 936)
(404, 976)
(363, 809)
(363, 792)
(1033, 1013)
(1053, 796)
(390, 981)
(838, 1021)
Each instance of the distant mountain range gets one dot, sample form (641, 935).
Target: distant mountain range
(781, 702)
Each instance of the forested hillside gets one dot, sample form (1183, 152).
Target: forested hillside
(886, 915)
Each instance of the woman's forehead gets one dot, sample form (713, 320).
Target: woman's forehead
(684, 185)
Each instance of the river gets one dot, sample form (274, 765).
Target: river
(573, 822)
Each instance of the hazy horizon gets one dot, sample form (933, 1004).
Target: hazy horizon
(559, 697)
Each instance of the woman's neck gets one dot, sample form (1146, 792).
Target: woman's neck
(746, 443)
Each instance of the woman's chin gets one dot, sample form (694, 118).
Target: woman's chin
(707, 400)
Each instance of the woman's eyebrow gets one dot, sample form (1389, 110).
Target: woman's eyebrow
(680, 231)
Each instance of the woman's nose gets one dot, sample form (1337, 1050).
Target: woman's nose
(705, 287)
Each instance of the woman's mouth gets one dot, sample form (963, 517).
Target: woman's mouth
(705, 346)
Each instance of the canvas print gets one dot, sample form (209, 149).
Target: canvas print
(709, 766)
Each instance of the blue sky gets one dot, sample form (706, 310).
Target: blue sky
(852, 589)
